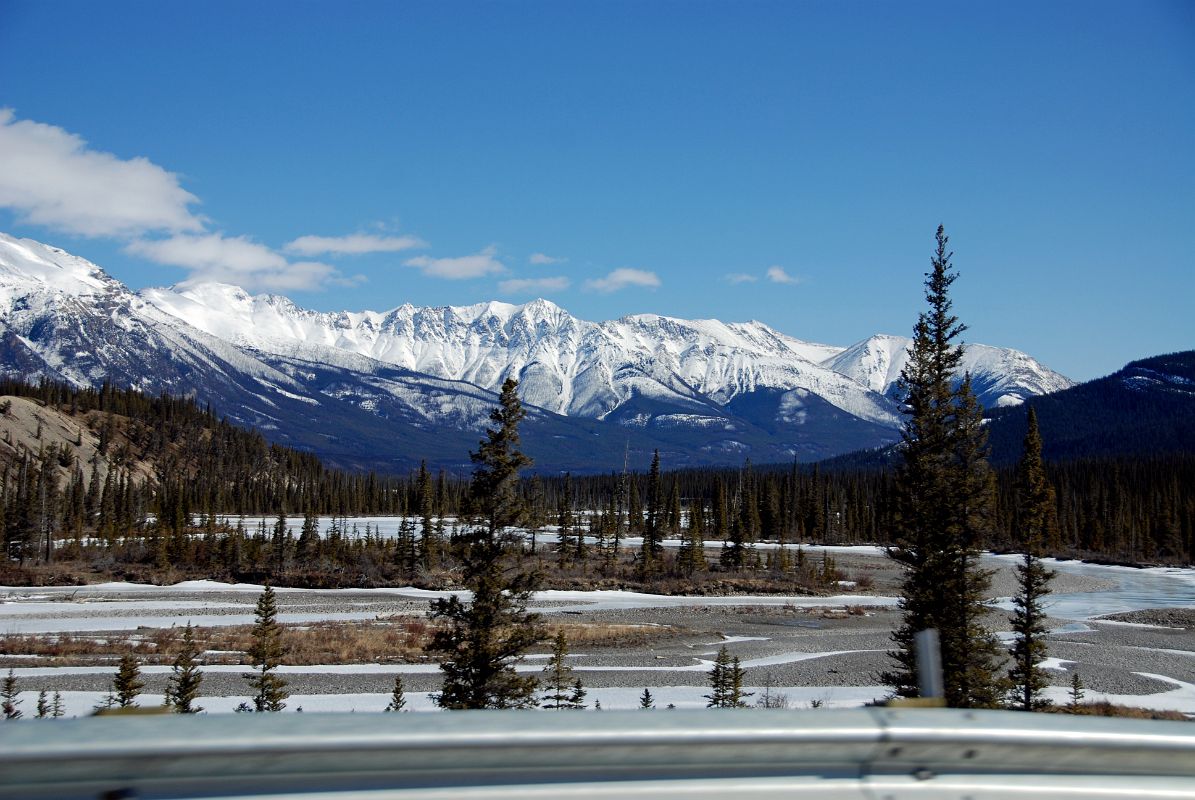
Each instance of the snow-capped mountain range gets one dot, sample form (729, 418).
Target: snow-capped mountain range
(702, 391)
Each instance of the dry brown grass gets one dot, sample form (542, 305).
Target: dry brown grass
(394, 640)
(397, 640)
(1105, 709)
(609, 634)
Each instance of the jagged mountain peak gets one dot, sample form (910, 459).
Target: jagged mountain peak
(343, 382)
(1000, 376)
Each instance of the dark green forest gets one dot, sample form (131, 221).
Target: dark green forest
(144, 504)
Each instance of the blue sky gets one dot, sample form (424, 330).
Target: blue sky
(660, 157)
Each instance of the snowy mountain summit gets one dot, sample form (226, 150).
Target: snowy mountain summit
(704, 390)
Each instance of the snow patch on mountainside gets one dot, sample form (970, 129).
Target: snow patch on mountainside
(1001, 376)
(26, 265)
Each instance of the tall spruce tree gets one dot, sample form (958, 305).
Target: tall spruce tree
(265, 653)
(481, 641)
(185, 676)
(652, 549)
(943, 496)
(980, 684)
(430, 546)
(1036, 526)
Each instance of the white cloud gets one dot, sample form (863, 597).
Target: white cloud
(209, 252)
(622, 278)
(542, 259)
(353, 244)
(237, 260)
(533, 285)
(52, 178)
(740, 277)
(460, 268)
(778, 275)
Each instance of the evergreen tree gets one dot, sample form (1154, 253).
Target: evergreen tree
(398, 699)
(738, 697)
(406, 548)
(942, 501)
(721, 513)
(1036, 526)
(185, 676)
(726, 682)
(562, 689)
(691, 555)
(977, 651)
(576, 698)
(43, 704)
(430, 545)
(265, 653)
(652, 548)
(308, 547)
(482, 641)
(1077, 694)
(57, 708)
(565, 548)
(10, 697)
(646, 700)
(127, 684)
(674, 509)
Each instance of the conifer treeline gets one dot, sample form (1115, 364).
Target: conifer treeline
(1127, 509)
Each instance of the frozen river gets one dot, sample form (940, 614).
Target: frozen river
(786, 640)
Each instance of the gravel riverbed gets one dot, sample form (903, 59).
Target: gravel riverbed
(838, 644)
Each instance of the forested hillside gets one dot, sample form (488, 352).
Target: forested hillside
(1148, 407)
(82, 461)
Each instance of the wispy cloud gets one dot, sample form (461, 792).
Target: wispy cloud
(353, 244)
(740, 277)
(52, 178)
(209, 252)
(778, 275)
(475, 266)
(533, 285)
(622, 278)
(237, 260)
(543, 259)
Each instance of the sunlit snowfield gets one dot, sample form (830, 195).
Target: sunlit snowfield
(805, 648)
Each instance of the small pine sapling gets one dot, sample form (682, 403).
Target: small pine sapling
(127, 684)
(10, 697)
(185, 676)
(1077, 694)
(398, 700)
